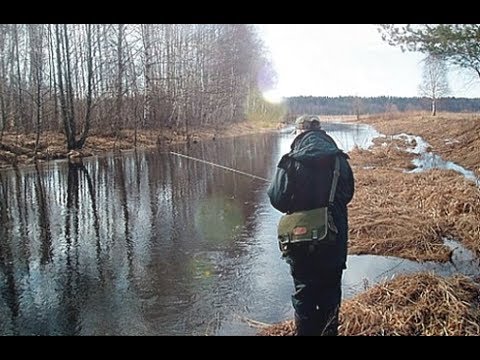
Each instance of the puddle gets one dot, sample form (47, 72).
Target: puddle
(363, 271)
(419, 145)
(429, 160)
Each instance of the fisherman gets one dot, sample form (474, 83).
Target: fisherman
(313, 184)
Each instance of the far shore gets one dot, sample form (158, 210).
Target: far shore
(18, 149)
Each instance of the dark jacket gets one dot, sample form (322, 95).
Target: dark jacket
(303, 180)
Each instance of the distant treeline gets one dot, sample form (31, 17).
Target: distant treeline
(352, 105)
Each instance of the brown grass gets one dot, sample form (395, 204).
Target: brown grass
(456, 137)
(406, 215)
(419, 304)
(385, 153)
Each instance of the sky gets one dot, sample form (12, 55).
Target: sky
(348, 59)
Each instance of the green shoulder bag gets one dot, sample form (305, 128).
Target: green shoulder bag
(314, 225)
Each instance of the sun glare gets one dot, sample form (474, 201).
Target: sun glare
(273, 96)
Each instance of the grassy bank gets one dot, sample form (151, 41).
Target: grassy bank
(407, 214)
(454, 136)
(421, 304)
(19, 149)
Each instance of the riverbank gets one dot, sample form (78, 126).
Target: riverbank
(19, 149)
(419, 304)
(398, 213)
(453, 136)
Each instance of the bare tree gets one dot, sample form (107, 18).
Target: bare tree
(118, 123)
(66, 79)
(3, 79)
(357, 107)
(147, 73)
(104, 76)
(89, 100)
(434, 82)
(36, 40)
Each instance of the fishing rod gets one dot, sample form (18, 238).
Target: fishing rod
(220, 166)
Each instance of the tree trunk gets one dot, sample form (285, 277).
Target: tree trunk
(63, 102)
(434, 108)
(20, 110)
(88, 114)
(147, 73)
(69, 87)
(119, 90)
(36, 45)
(3, 76)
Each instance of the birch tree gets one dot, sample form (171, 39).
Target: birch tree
(434, 81)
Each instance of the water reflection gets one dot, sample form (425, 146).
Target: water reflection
(9, 294)
(145, 242)
(366, 270)
(428, 161)
(347, 136)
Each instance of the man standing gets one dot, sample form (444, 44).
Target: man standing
(313, 184)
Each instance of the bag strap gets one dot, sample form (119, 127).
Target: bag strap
(336, 174)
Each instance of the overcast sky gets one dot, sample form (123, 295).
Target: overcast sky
(348, 59)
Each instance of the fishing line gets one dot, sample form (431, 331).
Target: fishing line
(220, 166)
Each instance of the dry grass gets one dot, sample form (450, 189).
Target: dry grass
(419, 304)
(386, 154)
(406, 215)
(286, 328)
(456, 137)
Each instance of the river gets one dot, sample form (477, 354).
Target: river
(148, 243)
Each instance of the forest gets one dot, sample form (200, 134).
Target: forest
(352, 105)
(108, 77)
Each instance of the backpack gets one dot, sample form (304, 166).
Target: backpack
(311, 226)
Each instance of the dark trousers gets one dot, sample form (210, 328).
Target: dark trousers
(318, 293)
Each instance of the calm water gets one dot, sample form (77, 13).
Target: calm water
(150, 243)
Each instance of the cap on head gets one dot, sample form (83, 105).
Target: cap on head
(307, 122)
